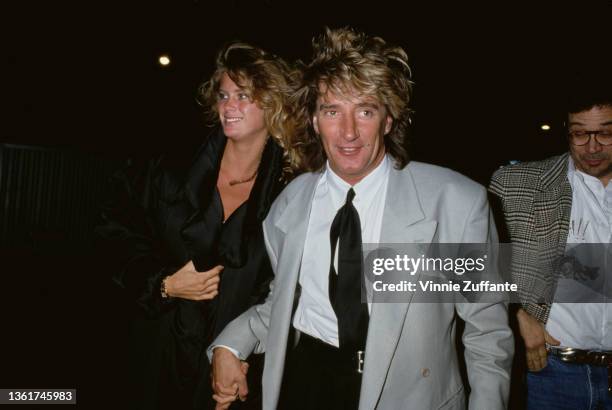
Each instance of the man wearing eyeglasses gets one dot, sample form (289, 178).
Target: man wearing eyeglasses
(550, 207)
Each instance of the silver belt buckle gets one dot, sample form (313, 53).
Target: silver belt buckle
(360, 361)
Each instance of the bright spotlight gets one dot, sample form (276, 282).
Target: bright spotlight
(164, 60)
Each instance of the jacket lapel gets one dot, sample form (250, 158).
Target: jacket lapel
(288, 241)
(199, 191)
(293, 224)
(552, 209)
(403, 222)
(202, 206)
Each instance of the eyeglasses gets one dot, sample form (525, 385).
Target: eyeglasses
(583, 137)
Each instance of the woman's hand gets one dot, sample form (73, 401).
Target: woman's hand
(188, 283)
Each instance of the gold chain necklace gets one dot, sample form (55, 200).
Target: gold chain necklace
(242, 181)
(233, 182)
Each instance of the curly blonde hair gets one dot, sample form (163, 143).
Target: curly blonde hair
(347, 61)
(270, 82)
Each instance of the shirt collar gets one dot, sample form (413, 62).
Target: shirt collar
(365, 190)
(573, 172)
(593, 184)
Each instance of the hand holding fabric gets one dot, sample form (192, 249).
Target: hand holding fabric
(188, 283)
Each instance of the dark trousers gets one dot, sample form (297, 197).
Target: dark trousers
(319, 377)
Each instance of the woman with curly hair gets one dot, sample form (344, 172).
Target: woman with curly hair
(190, 242)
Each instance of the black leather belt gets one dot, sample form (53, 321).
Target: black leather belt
(571, 355)
(354, 359)
(590, 357)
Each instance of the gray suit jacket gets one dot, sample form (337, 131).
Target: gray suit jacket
(536, 198)
(411, 361)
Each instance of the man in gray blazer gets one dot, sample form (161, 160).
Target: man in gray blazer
(355, 97)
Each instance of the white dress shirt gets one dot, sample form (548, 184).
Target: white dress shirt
(314, 314)
(587, 326)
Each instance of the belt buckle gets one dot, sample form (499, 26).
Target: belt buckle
(360, 361)
(567, 354)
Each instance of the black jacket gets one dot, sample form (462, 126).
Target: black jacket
(164, 216)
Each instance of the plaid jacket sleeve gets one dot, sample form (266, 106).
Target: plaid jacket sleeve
(514, 190)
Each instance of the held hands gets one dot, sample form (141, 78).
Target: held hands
(228, 378)
(535, 337)
(187, 283)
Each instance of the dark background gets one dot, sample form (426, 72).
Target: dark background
(85, 76)
(83, 92)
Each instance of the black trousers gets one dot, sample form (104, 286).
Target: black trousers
(319, 376)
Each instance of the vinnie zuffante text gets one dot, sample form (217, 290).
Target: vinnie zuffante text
(405, 264)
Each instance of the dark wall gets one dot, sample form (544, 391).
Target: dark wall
(50, 194)
(61, 316)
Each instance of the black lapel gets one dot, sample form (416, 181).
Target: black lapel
(198, 191)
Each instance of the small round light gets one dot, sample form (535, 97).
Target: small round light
(545, 127)
(164, 60)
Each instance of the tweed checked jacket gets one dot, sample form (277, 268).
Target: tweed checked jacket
(536, 198)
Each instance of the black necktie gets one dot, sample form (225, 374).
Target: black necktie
(345, 287)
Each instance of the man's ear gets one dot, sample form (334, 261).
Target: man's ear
(315, 123)
(388, 125)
